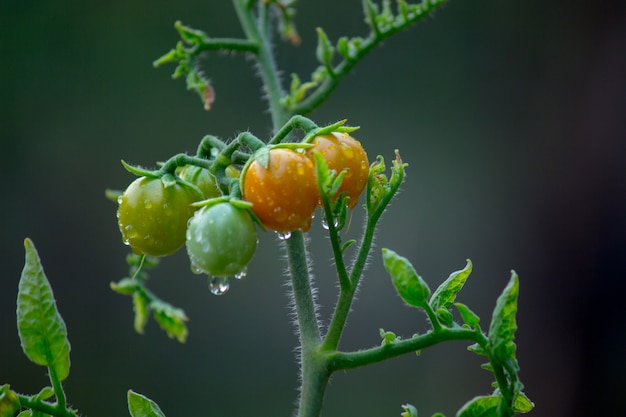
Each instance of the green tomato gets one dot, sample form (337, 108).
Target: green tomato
(153, 217)
(221, 240)
(201, 178)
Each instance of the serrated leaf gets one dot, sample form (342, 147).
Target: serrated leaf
(409, 285)
(522, 403)
(467, 315)
(503, 324)
(445, 294)
(171, 319)
(41, 328)
(141, 308)
(483, 406)
(141, 406)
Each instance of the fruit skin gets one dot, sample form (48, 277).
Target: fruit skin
(284, 195)
(342, 152)
(153, 218)
(221, 240)
(201, 178)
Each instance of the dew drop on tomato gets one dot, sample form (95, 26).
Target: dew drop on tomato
(218, 285)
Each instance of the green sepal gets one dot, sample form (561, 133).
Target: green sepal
(468, 316)
(140, 172)
(482, 406)
(262, 156)
(522, 404)
(112, 195)
(171, 319)
(141, 406)
(409, 285)
(409, 411)
(445, 294)
(25, 413)
(503, 324)
(438, 415)
(41, 328)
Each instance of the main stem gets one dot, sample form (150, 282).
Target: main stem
(314, 365)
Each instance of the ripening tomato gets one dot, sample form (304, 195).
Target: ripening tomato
(284, 195)
(153, 217)
(221, 240)
(344, 153)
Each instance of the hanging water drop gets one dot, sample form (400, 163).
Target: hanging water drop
(241, 274)
(283, 235)
(218, 285)
(325, 223)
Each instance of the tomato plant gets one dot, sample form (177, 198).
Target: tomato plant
(283, 194)
(344, 153)
(152, 216)
(221, 240)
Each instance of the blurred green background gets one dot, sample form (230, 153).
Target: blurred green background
(512, 116)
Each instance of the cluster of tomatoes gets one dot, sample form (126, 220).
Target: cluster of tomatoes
(157, 217)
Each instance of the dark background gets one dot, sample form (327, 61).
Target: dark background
(511, 115)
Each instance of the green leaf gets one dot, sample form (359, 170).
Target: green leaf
(410, 286)
(409, 411)
(141, 406)
(42, 331)
(445, 294)
(324, 51)
(171, 319)
(522, 404)
(503, 324)
(483, 406)
(468, 316)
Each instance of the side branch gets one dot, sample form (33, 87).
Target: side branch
(383, 26)
(351, 360)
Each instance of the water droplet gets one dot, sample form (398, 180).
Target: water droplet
(325, 223)
(126, 242)
(218, 285)
(283, 235)
(241, 274)
(147, 204)
(195, 269)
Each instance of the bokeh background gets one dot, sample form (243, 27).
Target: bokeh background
(512, 116)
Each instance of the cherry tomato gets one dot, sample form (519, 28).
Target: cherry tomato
(284, 195)
(343, 152)
(202, 178)
(221, 240)
(153, 218)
